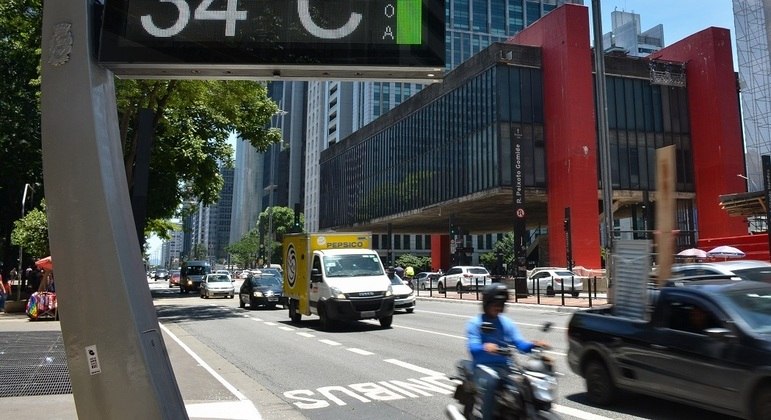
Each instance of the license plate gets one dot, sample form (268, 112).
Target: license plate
(368, 314)
(273, 299)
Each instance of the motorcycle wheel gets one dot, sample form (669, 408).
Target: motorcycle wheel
(547, 415)
(468, 410)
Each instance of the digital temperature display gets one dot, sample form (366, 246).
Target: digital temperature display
(158, 38)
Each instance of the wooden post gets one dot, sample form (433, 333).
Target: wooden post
(665, 211)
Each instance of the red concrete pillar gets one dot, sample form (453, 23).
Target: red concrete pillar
(440, 252)
(716, 138)
(571, 142)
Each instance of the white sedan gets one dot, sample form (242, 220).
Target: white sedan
(554, 280)
(217, 285)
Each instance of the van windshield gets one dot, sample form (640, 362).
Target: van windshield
(197, 270)
(353, 265)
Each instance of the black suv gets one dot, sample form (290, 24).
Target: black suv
(162, 274)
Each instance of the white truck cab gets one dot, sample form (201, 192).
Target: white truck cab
(337, 277)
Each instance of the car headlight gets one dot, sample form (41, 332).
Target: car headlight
(257, 293)
(337, 293)
(389, 291)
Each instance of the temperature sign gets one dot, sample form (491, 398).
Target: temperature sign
(159, 37)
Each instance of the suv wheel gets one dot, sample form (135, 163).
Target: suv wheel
(440, 287)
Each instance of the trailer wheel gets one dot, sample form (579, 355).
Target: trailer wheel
(599, 385)
(294, 315)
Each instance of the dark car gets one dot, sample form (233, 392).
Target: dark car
(706, 343)
(262, 290)
(161, 274)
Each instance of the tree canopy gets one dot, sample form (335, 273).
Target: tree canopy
(246, 251)
(31, 233)
(20, 37)
(192, 121)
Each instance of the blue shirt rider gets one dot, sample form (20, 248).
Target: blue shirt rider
(483, 346)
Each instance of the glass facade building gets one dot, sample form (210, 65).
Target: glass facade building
(338, 109)
(455, 139)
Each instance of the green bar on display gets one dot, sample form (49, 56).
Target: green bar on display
(409, 22)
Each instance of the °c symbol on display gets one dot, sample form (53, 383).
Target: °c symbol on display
(303, 10)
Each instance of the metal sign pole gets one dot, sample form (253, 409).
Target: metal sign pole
(112, 339)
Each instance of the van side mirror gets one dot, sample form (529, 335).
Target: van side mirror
(315, 275)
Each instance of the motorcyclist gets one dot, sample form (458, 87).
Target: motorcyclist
(489, 365)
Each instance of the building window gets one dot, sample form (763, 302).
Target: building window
(397, 242)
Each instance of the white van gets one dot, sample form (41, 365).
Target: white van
(337, 277)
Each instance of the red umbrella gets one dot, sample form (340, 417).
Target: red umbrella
(45, 263)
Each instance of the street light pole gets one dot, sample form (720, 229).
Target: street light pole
(21, 246)
(272, 187)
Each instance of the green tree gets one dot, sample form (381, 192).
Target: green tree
(282, 222)
(414, 261)
(505, 248)
(20, 38)
(31, 233)
(192, 122)
(243, 252)
(199, 252)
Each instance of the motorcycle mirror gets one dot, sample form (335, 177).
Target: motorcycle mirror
(487, 327)
(547, 326)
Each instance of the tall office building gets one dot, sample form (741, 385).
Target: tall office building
(753, 38)
(279, 171)
(337, 109)
(626, 36)
(248, 184)
(208, 228)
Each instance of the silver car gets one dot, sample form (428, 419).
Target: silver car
(743, 269)
(214, 285)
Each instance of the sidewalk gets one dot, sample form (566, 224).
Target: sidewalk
(205, 396)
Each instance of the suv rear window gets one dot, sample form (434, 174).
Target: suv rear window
(478, 270)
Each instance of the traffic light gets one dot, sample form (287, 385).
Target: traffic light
(453, 230)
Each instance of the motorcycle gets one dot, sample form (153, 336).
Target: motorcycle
(525, 391)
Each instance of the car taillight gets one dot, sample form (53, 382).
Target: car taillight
(467, 275)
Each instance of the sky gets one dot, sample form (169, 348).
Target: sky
(679, 17)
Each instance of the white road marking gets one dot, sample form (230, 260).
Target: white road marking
(459, 337)
(305, 334)
(573, 412)
(235, 410)
(416, 368)
(360, 351)
(468, 317)
(243, 409)
(270, 323)
(286, 328)
(330, 342)
(257, 319)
